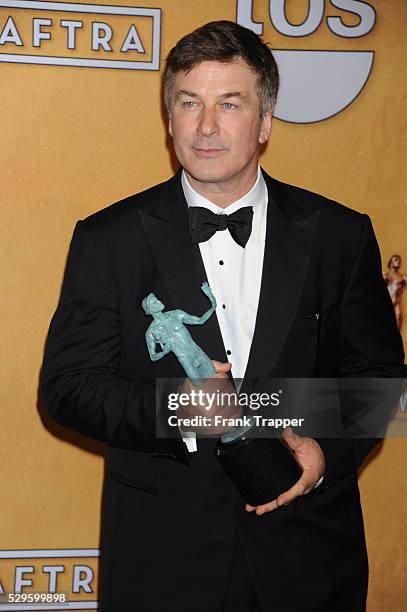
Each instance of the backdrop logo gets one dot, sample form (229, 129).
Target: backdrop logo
(56, 579)
(68, 34)
(315, 85)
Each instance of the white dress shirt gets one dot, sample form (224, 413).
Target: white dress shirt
(234, 275)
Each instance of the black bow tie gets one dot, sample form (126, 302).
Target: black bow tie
(203, 224)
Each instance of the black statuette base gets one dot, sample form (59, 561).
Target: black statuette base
(260, 468)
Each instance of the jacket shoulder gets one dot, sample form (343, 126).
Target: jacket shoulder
(124, 213)
(311, 200)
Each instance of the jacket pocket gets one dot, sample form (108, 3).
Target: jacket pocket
(132, 468)
(307, 330)
(313, 320)
(132, 483)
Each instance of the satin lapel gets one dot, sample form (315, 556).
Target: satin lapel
(180, 264)
(289, 239)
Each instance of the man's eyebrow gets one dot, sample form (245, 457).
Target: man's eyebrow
(229, 94)
(184, 92)
(233, 94)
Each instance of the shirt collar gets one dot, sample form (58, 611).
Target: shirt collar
(256, 197)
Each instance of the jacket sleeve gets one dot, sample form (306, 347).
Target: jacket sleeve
(79, 383)
(371, 350)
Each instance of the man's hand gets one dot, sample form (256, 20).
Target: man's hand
(214, 387)
(310, 457)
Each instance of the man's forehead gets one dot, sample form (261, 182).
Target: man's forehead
(224, 77)
(234, 67)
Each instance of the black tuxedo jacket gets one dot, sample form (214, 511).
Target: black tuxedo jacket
(97, 377)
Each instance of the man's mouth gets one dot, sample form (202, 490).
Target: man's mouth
(207, 152)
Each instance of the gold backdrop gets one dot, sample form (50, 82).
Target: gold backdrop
(75, 139)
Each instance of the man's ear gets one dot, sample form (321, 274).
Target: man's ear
(265, 129)
(170, 126)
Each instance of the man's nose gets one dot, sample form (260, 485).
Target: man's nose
(208, 125)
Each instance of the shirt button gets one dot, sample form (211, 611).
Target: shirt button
(221, 262)
(228, 352)
(223, 306)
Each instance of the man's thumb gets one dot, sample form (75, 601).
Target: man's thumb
(291, 438)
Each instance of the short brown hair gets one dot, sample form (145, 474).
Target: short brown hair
(224, 41)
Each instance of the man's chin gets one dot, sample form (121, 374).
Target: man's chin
(206, 175)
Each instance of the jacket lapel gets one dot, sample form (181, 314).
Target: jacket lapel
(289, 239)
(180, 264)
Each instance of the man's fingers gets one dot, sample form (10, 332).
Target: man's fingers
(220, 366)
(296, 490)
(269, 507)
(300, 488)
(272, 505)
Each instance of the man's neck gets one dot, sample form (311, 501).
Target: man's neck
(224, 194)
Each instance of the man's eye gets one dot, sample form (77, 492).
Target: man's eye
(188, 103)
(229, 105)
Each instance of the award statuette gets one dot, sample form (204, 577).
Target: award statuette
(168, 331)
(260, 468)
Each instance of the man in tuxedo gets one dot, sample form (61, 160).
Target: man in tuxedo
(297, 278)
